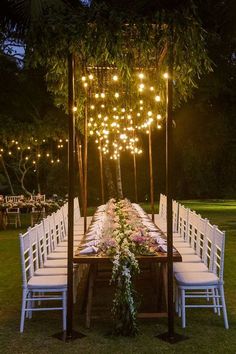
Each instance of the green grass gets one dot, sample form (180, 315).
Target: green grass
(205, 330)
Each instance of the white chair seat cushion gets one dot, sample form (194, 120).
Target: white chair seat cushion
(65, 243)
(51, 271)
(63, 249)
(189, 267)
(57, 255)
(59, 281)
(196, 278)
(55, 263)
(185, 250)
(191, 258)
(181, 243)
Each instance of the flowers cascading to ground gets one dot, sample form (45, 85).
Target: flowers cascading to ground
(129, 238)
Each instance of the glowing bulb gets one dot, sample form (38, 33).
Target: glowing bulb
(115, 78)
(141, 101)
(103, 95)
(96, 95)
(39, 155)
(34, 162)
(92, 107)
(141, 86)
(26, 157)
(18, 147)
(83, 78)
(9, 152)
(58, 160)
(85, 84)
(141, 76)
(52, 161)
(117, 95)
(74, 109)
(151, 88)
(99, 115)
(158, 116)
(158, 126)
(149, 113)
(165, 75)
(157, 98)
(90, 77)
(47, 155)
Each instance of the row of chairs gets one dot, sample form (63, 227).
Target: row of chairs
(200, 274)
(44, 263)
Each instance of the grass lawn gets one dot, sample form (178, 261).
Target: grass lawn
(205, 330)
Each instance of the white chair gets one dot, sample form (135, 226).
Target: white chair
(208, 285)
(39, 288)
(13, 217)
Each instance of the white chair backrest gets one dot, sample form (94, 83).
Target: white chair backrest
(46, 226)
(43, 249)
(25, 252)
(218, 254)
(59, 226)
(197, 232)
(29, 253)
(183, 222)
(162, 206)
(208, 248)
(13, 198)
(34, 250)
(76, 207)
(175, 209)
(38, 198)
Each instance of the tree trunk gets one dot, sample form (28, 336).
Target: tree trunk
(22, 183)
(109, 178)
(7, 175)
(118, 179)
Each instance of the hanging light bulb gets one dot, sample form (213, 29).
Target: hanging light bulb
(91, 77)
(158, 116)
(117, 95)
(103, 95)
(74, 109)
(165, 75)
(115, 78)
(157, 98)
(141, 76)
(149, 113)
(83, 78)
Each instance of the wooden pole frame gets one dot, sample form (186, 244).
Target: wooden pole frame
(71, 177)
(101, 171)
(86, 162)
(135, 178)
(151, 171)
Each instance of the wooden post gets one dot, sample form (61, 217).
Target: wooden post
(80, 165)
(151, 171)
(101, 170)
(169, 171)
(85, 162)
(135, 178)
(71, 160)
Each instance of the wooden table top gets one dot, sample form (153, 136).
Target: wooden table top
(159, 257)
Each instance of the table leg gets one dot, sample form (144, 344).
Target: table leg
(164, 279)
(92, 276)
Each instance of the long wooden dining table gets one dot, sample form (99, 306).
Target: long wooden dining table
(158, 261)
